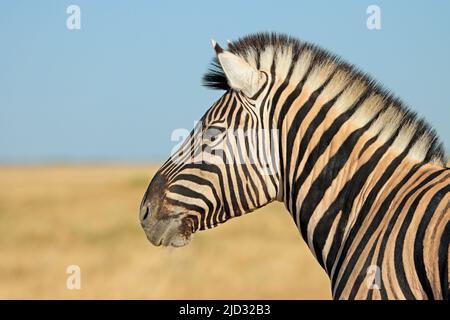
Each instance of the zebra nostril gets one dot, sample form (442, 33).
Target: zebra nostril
(144, 213)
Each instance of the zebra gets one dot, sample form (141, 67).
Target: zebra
(364, 179)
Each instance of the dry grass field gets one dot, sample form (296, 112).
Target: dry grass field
(55, 216)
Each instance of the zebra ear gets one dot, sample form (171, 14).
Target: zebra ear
(241, 76)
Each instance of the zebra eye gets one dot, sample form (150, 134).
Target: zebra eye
(212, 134)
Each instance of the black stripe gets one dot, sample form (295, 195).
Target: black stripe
(226, 105)
(216, 170)
(384, 208)
(247, 174)
(232, 191)
(362, 275)
(325, 179)
(363, 173)
(284, 109)
(258, 93)
(388, 232)
(189, 193)
(353, 189)
(367, 145)
(343, 201)
(302, 112)
(204, 182)
(398, 251)
(320, 148)
(188, 206)
(214, 111)
(444, 262)
(418, 243)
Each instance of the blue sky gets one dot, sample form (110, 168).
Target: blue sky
(116, 89)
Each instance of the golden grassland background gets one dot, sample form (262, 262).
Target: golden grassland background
(55, 216)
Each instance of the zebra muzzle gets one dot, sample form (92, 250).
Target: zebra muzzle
(163, 224)
(167, 232)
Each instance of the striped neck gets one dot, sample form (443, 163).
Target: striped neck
(331, 157)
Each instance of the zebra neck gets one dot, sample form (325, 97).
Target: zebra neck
(326, 172)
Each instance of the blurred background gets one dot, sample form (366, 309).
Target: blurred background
(87, 115)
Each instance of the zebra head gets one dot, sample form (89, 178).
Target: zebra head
(226, 167)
